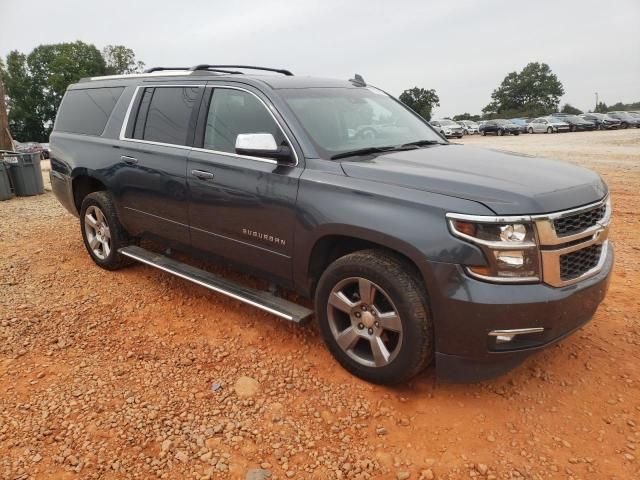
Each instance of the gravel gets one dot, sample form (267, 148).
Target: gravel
(110, 374)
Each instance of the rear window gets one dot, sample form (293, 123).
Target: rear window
(87, 111)
(164, 113)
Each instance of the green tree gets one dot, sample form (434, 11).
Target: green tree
(121, 60)
(420, 101)
(571, 109)
(466, 116)
(35, 83)
(534, 91)
(602, 107)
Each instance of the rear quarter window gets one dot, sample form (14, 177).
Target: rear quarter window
(86, 111)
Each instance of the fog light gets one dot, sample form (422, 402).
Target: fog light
(510, 258)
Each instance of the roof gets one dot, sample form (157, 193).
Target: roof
(274, 81)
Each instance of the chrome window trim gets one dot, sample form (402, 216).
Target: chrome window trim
(205, 150)
(490, 218)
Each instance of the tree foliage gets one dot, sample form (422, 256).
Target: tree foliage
(570, 109)
(534, 91)
(420, 101)
(466, 116)
(35, 83)
(121, 60)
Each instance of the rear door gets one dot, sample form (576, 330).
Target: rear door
(151, 174)
(241, 207)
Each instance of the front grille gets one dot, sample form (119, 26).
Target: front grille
(578, 222)
(575, 264)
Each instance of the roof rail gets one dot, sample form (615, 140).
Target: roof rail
(160, 69)
(247, 67)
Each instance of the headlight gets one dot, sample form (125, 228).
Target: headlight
(509, 246)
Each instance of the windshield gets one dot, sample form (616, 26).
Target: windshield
(448, 122)
(341, 120)
(502, 122)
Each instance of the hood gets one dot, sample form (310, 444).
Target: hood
(507, 183)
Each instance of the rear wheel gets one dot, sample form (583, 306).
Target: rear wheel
(373, 316)
(101, 231)
(549, 130)
(530, 130)
(500, 132)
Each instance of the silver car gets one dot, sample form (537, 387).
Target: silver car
(547, 125)
(469, 127)
(447, 128)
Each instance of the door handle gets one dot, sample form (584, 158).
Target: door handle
(129, 160)
(202, 175)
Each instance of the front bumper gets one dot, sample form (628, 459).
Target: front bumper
(466, 311)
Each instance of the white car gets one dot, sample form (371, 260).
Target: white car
(547, 125)
(447, 128)
(469, 127)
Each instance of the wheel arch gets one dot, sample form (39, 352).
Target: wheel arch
(333, 243)
(82, 184)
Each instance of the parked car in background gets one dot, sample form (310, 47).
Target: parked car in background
(626, 119)
(601, 120)
(521, 122)
(448, 128)
(547, 125)
(500, 127)
(576, 123)
(469, 127)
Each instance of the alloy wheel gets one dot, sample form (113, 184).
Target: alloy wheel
(97, 231)
(364, 322)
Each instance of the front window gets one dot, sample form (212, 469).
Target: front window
(340, 120)
(234, 112)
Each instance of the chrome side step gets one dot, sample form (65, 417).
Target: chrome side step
(257, 298)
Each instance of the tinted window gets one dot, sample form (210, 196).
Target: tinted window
(233, 112)
(169, 113)
(87, 111)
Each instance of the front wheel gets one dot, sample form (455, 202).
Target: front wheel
(531, 130)
(101, 231)
(373, 315)
(549, 130)
(484, 134)
(500, 132)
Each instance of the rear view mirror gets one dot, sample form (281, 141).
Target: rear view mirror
(263, 145)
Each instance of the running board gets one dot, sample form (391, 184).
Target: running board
(257, 298)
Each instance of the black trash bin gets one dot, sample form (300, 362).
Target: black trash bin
(25, 173)
(5, 184)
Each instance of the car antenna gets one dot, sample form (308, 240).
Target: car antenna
(358, 81)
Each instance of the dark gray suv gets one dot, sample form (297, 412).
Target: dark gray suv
(412, 249)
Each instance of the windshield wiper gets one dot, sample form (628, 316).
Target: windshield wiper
(366, 151)
(422, 143)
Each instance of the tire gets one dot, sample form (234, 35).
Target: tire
(516, 133)
(106, 234)
(465, 132)
(408, 342)
(549, 130)
(600, 127)
(572, 128)
(484, 134)
(531, 130)
(500, 132)
(624, 125)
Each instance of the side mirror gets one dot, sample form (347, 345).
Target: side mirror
(263, 145)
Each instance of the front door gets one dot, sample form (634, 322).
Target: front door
(241, 208)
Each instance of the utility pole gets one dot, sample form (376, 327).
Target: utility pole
(596, 109)
(6, 142)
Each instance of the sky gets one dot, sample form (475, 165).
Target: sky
(461, 48)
